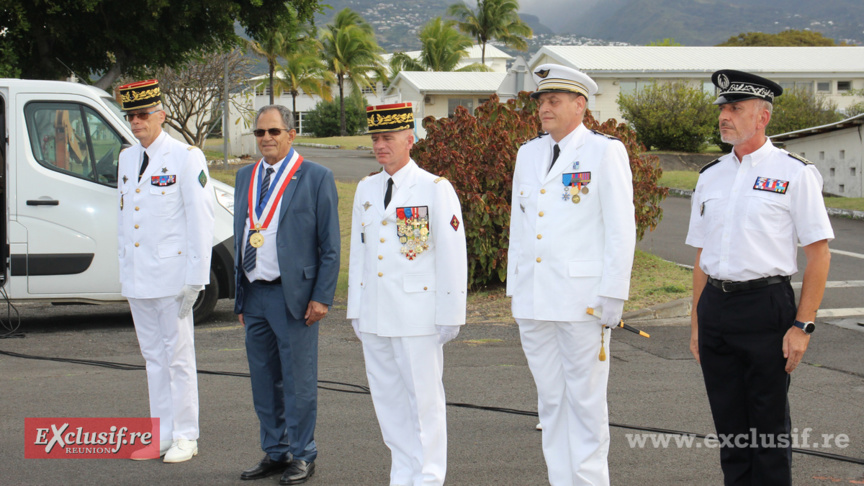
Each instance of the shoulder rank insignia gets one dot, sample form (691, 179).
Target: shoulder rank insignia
(190, 147)
(539, 135)
(799, 158)
(610, 137)
(439, 179)
(363, 179)
(202, 178)
(709, 165)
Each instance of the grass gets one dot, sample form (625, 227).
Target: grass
(343, 142)
(853, 203)
(654, 280)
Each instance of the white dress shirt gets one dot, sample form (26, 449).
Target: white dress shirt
(747, 224)
(266, 264)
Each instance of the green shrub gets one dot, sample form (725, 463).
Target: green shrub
(671, 115)
(798, 108)
(478, 153)
(323, 120)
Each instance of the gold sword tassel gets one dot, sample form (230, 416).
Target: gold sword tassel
(602, 356)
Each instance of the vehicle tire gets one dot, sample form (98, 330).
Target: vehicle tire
(206, 301)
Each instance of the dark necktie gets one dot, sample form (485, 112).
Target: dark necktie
(555, 153)
(389, 193)
(250, 255)
(143, 166)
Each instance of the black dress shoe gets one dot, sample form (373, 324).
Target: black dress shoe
(267, 467)
(298, 472)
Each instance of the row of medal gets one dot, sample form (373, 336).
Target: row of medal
(574, 184)
(412, 227)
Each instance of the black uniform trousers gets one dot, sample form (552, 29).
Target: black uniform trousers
(741, 350)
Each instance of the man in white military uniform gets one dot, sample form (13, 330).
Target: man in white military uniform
(572, 239)
(406, 295)
(750, 210)
(165, 240)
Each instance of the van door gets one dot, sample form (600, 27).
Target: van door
(67, 197)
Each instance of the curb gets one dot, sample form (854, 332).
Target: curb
(669, 310)
(846, 213)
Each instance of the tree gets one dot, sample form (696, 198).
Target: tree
(785, 38)
(101, 40)
(855, 108)
(193, 94)
(443, 48)
(799, 108)
(304, 71)
(477, 153)
(670, 115)
(323, 120)
(666, 42)
(493, 20)
(281, 41)
(351, 53)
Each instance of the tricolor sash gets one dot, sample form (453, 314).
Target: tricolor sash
(261, 214)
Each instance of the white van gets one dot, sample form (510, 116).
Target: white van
(58, 165)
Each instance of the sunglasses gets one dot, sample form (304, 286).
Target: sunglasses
(141, 116)
(274, 132)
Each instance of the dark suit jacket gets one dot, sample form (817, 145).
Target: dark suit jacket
(307, 239)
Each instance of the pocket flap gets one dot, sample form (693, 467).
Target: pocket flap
(586, 268)
(418, 283)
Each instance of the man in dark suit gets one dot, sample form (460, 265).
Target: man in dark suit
(286, 233)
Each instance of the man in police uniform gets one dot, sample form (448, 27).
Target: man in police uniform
(750, 210)
(572, 239)
(165, 240)
(406, 295)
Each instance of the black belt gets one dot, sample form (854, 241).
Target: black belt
(732, 286)
(277, 281)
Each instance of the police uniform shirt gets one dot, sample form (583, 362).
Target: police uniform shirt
(749, 215)
(266, 262)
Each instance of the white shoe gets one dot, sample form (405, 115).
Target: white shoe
(141, 455)
(539, 427)
(182, 450)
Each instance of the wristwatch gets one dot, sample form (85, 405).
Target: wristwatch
(807, 327)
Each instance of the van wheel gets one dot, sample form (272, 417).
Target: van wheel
(206, 300)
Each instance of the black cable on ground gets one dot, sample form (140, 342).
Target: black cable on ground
(11, 330)
(363, 390)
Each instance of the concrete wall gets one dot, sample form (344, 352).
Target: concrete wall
(839, 156)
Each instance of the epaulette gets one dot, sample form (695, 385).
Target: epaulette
(363, 179)
(440, 179)
(799, 158)
(709, 165)
(605, 135)
(539, 135)
(190, 147)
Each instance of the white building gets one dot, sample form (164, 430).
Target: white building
(836, 149)
(828, 71)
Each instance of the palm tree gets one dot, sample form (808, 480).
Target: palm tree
(493, 20)
(305, 71)
(351, 53)
(443, 48)
(281, 41)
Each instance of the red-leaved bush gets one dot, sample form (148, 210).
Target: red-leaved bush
(477, 155)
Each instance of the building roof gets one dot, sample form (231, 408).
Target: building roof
(428, 82)
(829, 61)
(849, 122)
(473, 55)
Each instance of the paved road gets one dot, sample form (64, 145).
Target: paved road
(846, 278)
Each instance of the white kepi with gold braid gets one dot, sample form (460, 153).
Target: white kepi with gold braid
(554, 78)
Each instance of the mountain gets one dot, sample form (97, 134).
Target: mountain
(701, 22)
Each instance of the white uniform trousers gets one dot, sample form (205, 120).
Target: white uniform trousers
(168, 346)
(571, 392)
(404, 376)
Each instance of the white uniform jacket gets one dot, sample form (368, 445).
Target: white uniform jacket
(562, 254)
(165, 225)
(390, 294)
